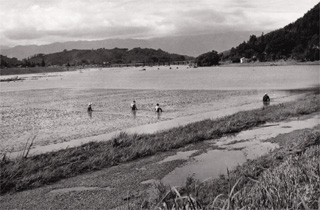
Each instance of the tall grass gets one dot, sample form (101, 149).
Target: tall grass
(31, 172)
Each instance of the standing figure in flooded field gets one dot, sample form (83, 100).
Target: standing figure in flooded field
(90, 107)
(158, 108)
(266, 99)
(133, 106)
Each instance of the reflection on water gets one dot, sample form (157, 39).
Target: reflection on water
(210, 164)
(90, 114)
(266, 103)
(134, 114)
(179, 156)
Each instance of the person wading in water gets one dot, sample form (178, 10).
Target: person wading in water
(90, 107)
(133, 106)
(158, 108)
(266, 99)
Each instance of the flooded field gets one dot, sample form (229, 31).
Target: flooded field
(52, 107)
(175, 78)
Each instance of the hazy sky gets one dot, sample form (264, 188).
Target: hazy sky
(46, 21)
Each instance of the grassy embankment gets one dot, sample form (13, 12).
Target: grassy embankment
(31, 172)
(287, 178)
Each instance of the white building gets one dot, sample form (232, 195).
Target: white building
(243, 60)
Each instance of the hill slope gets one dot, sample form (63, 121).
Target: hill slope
(6, 62)
(298, 40)
(105, 56)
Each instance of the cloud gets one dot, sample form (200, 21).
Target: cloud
(44, 21)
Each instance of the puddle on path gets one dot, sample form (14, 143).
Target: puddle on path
(79, 189)
(237, 149)
(152, 128)
(210, 164)
(179, 156)
(267, 131)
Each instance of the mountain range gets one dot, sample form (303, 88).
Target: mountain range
(183, 45)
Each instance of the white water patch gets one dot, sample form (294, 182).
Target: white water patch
(179, 156)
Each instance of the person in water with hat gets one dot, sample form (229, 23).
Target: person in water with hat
(90, 107)
(266, 98)
(158, 108)
(133, 106)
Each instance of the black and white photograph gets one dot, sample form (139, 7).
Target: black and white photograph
(160, 104)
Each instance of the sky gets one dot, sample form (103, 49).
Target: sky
(26, 22)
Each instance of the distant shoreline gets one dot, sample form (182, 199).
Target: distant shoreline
(271, 63)
(49, 69)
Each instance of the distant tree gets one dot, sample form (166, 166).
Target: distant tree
(208, 59)
(253, 39)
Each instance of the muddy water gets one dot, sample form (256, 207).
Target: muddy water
(215, 78)
(156, 127)
(234, 150)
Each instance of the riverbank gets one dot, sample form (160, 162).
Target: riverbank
(27, 173)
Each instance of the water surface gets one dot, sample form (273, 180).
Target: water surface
(152, 128)
(204, 78)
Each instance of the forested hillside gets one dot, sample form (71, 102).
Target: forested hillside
(106, 56)
(96, 57)
(6, 62)
(298, 41)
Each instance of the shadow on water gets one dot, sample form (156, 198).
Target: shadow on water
(134, 114)
(233, 150)
(158, 114)
(266, 103)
